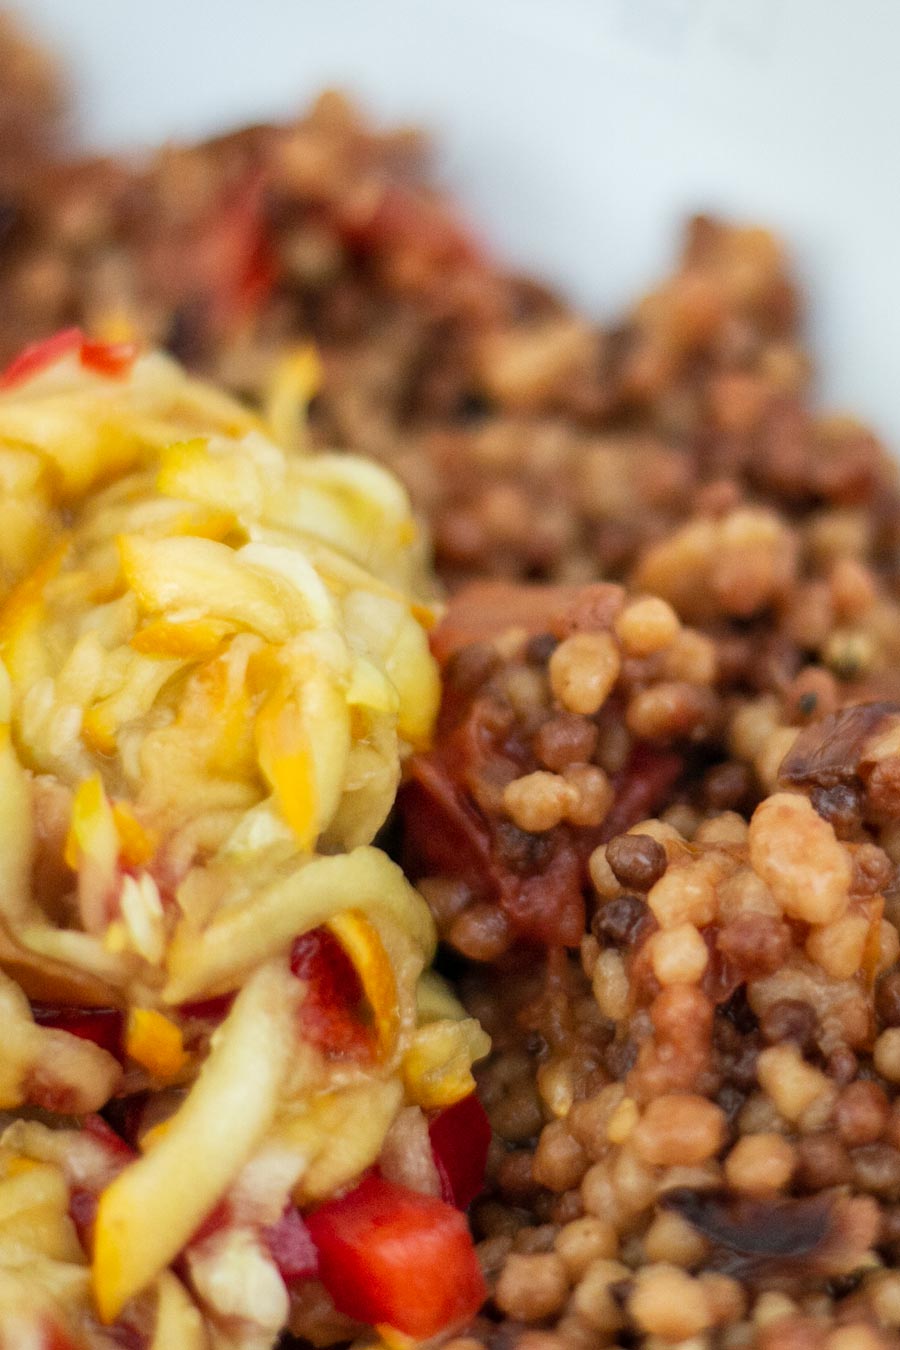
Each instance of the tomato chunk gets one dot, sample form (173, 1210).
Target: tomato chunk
(446, 834)
(390, 1255)
(291, 1247)
(460, 1138)
(330, 1015)
(641, 787)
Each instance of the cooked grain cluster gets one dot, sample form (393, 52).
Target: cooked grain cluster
(660, 824)
(694, 1087)
(539, 445)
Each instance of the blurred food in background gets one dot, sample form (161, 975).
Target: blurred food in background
(536, 444)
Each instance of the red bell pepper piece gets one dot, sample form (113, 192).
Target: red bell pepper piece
(112, 359)
(390, 1255)
(37, 356)
(460, 1138)
(103, 1026)
(291, 1247)
(329, 1016)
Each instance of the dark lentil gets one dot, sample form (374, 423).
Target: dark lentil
(636, 859)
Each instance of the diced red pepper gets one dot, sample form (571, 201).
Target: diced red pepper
(113, 359)
(330, 1014)
(390, 1255)
(291, 1247)
(37, 356)
(460, 1138)
(319, 958)
(103, 1026)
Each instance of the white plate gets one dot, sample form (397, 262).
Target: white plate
(577, 132)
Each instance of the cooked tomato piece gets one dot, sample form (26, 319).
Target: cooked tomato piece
(390, 1255)
(331, 1016)
(444, 831)
(540, 892)
(460, 1138)
(641, 787)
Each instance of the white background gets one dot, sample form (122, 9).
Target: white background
(577, 132)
